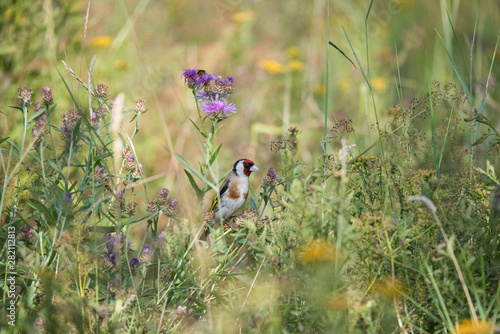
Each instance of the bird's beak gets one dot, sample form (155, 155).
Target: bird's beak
(254, 169)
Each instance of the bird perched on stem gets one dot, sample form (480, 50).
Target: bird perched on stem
(233, 192)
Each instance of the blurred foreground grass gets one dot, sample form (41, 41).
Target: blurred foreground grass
(342, 248)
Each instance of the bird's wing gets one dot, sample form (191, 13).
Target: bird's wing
(222, 191)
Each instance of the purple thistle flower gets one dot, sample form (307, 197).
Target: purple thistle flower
(162, 235)
(173, 203)
(218, 108)
(164, 192)
(190, 73)
(205, 79)
(37, 106)
(145, 249)
(101, 169)
(229, 81)
(47, 95)
(271, 172)
(26, 228)
(120, 194)
(134, 263)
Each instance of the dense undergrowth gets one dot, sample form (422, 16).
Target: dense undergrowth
(351, 243)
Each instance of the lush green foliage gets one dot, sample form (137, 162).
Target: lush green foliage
(396, 231)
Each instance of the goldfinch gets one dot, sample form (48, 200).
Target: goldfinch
(234, 191)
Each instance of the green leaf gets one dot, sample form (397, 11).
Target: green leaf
(194, 171)
(36, 204)
(482, 139)
(193, 184)
(38, 113)
(54, 166)
(214, 155)
(342, 52)
(197, 128)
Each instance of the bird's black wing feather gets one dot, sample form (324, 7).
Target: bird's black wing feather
(222, 190)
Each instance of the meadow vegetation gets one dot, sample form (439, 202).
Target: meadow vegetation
(377, 209)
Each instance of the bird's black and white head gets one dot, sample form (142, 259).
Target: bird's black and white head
(244, 167)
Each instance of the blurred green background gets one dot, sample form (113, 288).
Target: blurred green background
(275, 50)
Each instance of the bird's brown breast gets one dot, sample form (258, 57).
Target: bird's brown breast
(233, 191)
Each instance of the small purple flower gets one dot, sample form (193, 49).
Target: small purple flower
(93, 117)
(26, 228)
(37, 106)
(173, 203)
(134, 263)
(68, 197)
(271, 172)
(120, 194)
(145, 249)
(112, 259)
(131, 158)
(47, 95)
(101, 169)
(205, 79)
(190, 73)
(218, 108)
(34, 131)
(229, 81)
(41, 121)
(65, 128)
(162, 235)
(164, 192)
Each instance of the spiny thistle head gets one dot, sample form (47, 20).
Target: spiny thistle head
(102, 90)
(140, 106)
(24, 96)
(47, 96)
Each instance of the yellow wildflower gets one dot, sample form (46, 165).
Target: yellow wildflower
(319, 89)
(272, 66)
(295, 66)
(379, 85)
(316, 251)
(102, 40)
(388, 289)
(468, 327)
(293, 52)
(243, 16)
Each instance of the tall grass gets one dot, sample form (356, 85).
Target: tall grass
(401, 237)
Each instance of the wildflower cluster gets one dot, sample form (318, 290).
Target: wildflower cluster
(212, 92)
(341, 128)
(161, 202)
(101, 175)
(129, 163)
(114, 248)
(70, 119)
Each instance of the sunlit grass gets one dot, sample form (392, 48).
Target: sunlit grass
(379, 213)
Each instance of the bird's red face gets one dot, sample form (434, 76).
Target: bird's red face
(249, 167)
